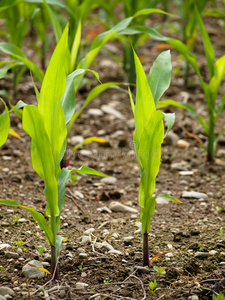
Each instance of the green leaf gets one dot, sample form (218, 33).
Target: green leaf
(36, 216)
(220, 106)
(170, 118)
(186, 106)
(209, 52)
(18, 54)
(75, 46)
(87, 170)
(145, 105)
(159, 76)
(148, 11)
(131, 101)
(215, 82)
(168, 198)
(49, 104)
(93, 93)
(5, 4)
(149, 156)
(42, 156)
(4, 124)
(68, 98)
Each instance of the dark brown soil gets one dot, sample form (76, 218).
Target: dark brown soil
(182, 229)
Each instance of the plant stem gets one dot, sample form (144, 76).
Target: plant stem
(54, 262)
(211, 138)
(145, 250)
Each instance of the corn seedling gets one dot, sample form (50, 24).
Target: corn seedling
(149, 134)
(46, 125)
(41, 250)
(216, 70)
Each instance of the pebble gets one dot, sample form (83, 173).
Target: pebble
(109, 180)
(101, 132)
(81, 286)
(111, 111)
(161, 201)
(212, 252)
(186, 173)
(16, 178)
(104, 209)
(142, 270)
(2, 298)
(119, 207)
(4, 246)
(95, 112)
(31, 272)
(88, 231)
(116, 134)
(83, 255)
(115, 252)
(180, 166)
(85, 152)
(22, 220)
(195, 195)
(171, 139)
(193, 297)
(85, 240)
(182, 144)
(4, 290)
(130, 124)
(77, 139)
(11, 255)
(199, 254)
(128, 240)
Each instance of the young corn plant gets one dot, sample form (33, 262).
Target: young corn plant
(46, 125)
(149, 135)
(216, 71)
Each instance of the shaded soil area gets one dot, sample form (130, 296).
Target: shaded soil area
(191, 232)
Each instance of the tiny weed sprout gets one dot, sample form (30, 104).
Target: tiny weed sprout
(46, 125)
(2, 268)
(19, 245)
(160, 271)
(149, 134)
(153, 287)
(41, 250)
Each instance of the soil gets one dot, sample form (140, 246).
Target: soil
(191, 232)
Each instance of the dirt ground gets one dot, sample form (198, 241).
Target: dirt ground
(191, 232)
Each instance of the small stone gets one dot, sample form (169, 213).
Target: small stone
(130, 124)
(16, 178)
(171, 138)
(11, 255)
(212, 252)
(2, 298)
(199, 254)
(83, 255)
(107, 246)
(180, 166)
(85, 240)
(4, 246)
(159, 200)
(104, 209)
(31, 272)
(195, 195)
(109, 180)
(22, 220)
(116, 134)
(81, 286)
(142, 270)
(186, 173)
(95, 112)
(115, 252)
(119, 207)
(88, 231)
(101, 132)
(128, 240)
(111, 111)
(5, 157)
(84, 153)
(182, 144)
(81, 250)
(193, 297)
(4, 290)
(77, 139)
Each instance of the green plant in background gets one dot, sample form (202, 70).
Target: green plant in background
(41, 250)
(153, 287)
(159, 271)
(216, 70)
(46, 125)
(148, 136)
(19, 245)
(218, 297)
